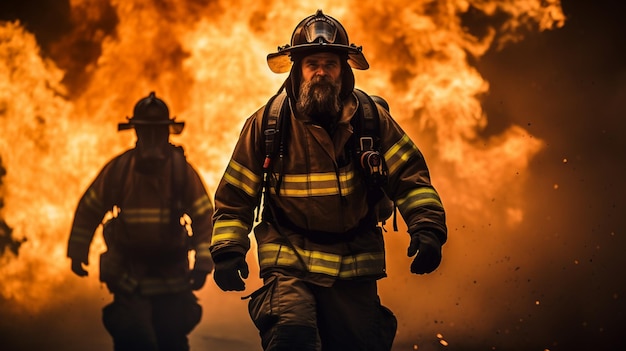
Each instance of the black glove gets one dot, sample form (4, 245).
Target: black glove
(197, 278)
(77, 267)
(229, 271)
(428, 249)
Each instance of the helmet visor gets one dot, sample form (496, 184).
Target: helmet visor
(320, 27)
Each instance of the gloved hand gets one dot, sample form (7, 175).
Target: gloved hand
(77, 267)
(197, 278)
(428, 249)
(229, 271)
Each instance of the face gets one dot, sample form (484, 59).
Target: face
(320, 87)
(323, 64)
(152, 142)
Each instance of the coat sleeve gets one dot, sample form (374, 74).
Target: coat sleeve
(92, 207)
(200, 210)
(237, 194)
(409, 181)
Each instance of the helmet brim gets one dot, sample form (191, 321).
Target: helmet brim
(175, 127)
(280, 62)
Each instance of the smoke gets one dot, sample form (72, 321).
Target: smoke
(518, 112)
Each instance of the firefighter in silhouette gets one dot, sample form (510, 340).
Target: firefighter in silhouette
(159, 211)
(319, 177)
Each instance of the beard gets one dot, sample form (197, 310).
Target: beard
(319, 99)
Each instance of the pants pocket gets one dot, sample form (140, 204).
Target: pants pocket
(260, 306)
(388, 328)
(193, 314)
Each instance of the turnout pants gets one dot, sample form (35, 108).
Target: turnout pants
(293, 315)
(151, 323)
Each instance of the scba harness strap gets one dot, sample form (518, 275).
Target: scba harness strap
(121, 170)
(365, 149)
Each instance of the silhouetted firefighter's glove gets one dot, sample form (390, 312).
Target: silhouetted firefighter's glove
(428, 249)
(197, 278)
(77, 267)
(229, 271)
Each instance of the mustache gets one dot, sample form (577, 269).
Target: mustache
(319, 99)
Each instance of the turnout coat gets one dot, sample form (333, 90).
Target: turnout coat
(317, 220)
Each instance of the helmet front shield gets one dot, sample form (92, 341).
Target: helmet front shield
(316, 33)
(320, 28)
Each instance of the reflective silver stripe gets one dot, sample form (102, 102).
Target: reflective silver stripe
(317, 184)
(202, 250)
(145, 215)
(400, 153)
(419, 197)
(321, 262)
(362, 264)
(230, 230)
(242, 178)
(201, 206)
(93, 201)
(81, 235)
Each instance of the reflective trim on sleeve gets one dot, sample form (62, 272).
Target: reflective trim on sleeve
(202, 251)
(242, 178)
(81, 235)
(201, 206)
(419, 197)
(229, 230)
(400, 153)
(93, 201)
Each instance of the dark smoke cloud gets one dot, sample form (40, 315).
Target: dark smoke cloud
(568, 88)
(72, 39)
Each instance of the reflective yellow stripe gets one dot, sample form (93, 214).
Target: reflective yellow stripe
(317, 184)
(419, 197)
(362, 264)
(93, 201)
(146, 215)
(242, 178)
(321, 262)
(201, 206)
(400, 153)
(202, 250)
(229, 230)
(81, 235)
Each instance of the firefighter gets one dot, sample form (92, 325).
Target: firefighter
(160, 211)
(320, 247)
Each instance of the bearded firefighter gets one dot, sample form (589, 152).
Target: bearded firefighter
(148, 191)
(320, 245)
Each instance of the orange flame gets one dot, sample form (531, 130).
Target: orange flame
(206, 59)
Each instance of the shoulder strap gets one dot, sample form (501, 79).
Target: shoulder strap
(179, 167)
(367, 146)
(271, 126)
(369, 152)
(369, 129)
(120, 169)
